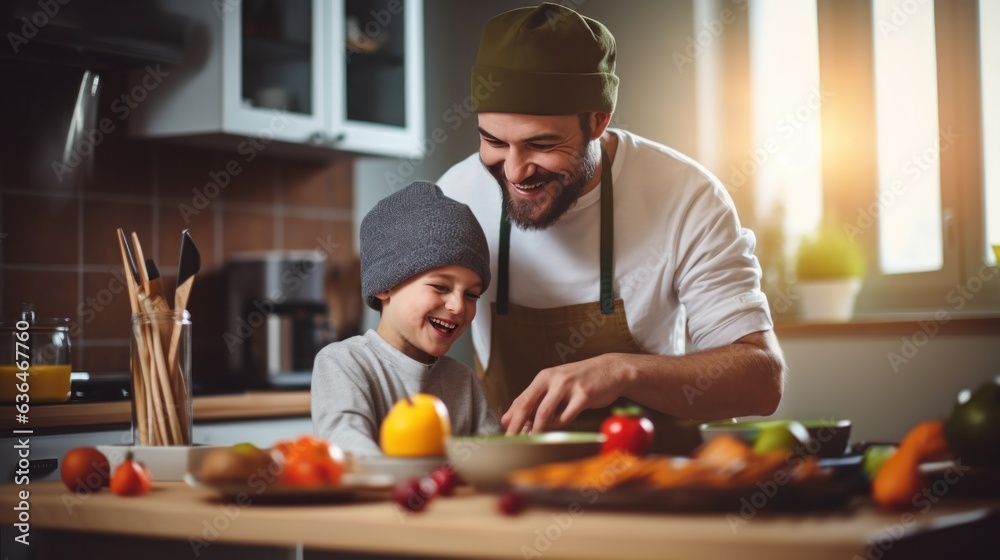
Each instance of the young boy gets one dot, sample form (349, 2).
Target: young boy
(424, 263)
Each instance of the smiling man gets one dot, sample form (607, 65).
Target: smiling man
(607, 249)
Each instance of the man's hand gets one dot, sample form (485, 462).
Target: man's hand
(558, 394)
(740, 379)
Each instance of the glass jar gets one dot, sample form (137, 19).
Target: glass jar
(34, 360)
(161, 378)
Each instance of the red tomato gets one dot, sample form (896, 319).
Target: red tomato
(628, 431)
(84, 468)
(131, 478)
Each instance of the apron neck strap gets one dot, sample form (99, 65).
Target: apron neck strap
(607, 246)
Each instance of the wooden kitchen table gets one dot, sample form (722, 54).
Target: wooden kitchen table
(468, 525)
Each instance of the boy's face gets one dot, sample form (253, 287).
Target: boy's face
(425, 314)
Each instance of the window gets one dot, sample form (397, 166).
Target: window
(910, 237)
(787, 105)
(902, 149)
(989, 18)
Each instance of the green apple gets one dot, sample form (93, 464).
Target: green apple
(876, 456)
(781, 436)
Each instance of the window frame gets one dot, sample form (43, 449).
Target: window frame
(847, 69)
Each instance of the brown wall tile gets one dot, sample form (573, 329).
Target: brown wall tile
(243, 231)
(105, 311)
(173, 222)
(121, 166)
(40, 229)
(139, 185)
(52, 293)
(183, 170)
(101, 219)
(103, 358)
(315, 185)
(255, 183)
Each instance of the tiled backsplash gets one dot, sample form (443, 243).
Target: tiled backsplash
(59, 250)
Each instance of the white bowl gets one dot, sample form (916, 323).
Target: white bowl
(486, 461)
(399, 468)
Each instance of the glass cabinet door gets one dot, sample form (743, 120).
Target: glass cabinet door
(381, 69)
(375, 77)
(277, 65)
(277, 76)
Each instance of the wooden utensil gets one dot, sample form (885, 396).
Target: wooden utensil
(156, 286)
(190, 264)
(143, 396)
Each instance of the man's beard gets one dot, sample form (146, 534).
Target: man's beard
(557, 199)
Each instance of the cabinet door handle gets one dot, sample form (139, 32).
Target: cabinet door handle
(320, 138)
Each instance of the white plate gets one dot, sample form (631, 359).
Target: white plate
(261, 491)
(398, 468)
(165, 462)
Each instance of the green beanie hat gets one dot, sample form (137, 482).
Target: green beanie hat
(546, 60)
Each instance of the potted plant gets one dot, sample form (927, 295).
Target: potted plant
(828, 269)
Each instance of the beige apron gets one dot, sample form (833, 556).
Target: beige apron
(526, 340)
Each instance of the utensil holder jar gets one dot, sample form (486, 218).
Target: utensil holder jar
(162, 412)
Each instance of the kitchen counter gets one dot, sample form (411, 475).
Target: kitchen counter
(256, 405)
(468, 525)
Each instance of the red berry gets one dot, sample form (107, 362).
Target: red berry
(511, 503)
(409, 495)
(445, 480)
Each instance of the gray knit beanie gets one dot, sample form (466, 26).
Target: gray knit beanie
(414, 230)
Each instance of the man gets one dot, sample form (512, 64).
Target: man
(607, 249)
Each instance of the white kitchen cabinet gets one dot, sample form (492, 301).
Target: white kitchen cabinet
(316, 74)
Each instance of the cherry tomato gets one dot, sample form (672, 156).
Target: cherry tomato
(511, 503)
(131, 478)
(628, 431)
(85, 469)
(411, 495)
(445, 479)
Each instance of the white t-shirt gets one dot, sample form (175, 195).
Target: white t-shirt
(680, 254)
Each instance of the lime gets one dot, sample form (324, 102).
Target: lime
(875, 457)
(781, 436)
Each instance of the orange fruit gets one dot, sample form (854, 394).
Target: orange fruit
(415, 427)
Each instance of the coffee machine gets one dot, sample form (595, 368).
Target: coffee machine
(276, 318)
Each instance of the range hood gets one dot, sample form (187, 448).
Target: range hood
(93, 33)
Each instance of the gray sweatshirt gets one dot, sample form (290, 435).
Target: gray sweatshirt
(356, 381)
